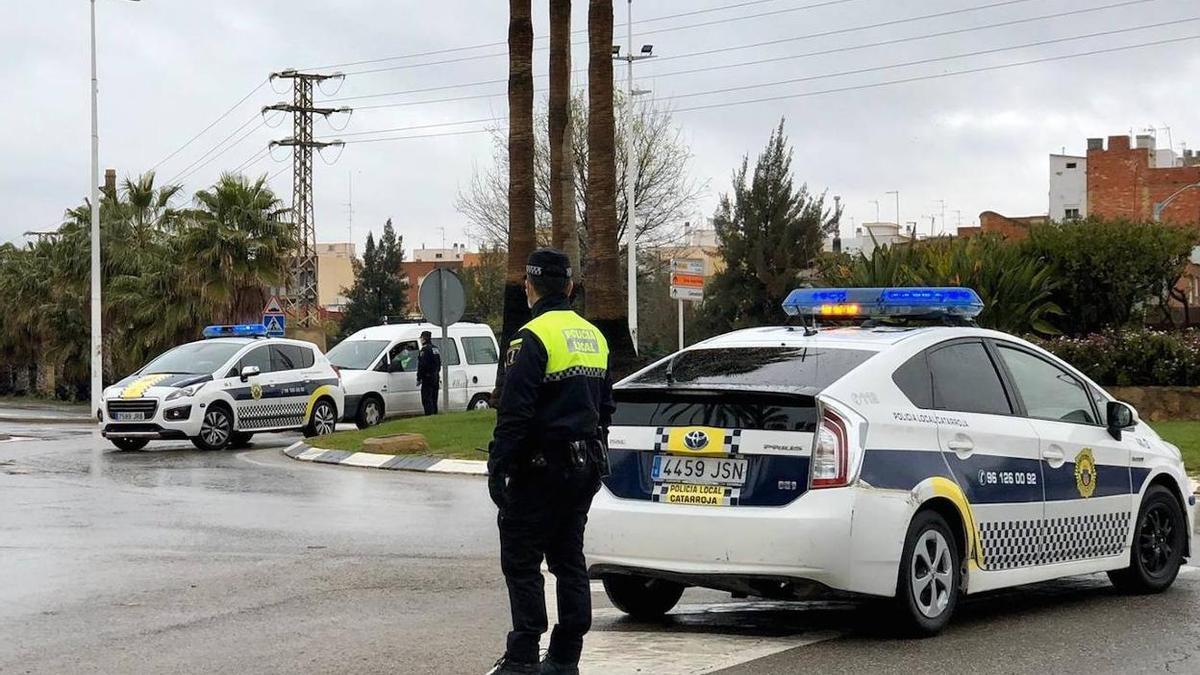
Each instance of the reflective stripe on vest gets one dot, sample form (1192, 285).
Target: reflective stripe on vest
(573, 346)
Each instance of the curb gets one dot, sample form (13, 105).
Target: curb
(369, 460)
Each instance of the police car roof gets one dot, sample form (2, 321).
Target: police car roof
(875, 338)
(395, 330)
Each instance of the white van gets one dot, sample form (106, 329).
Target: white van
(379, 369)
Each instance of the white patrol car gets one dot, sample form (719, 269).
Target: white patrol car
(914, 463)
(218, 392)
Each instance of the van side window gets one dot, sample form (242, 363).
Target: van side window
(965, 380)
(448, 351)
(403, 357)
(915, 380)
(480, 350)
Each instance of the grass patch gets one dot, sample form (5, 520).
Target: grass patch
(452, 436)
(1186, 435)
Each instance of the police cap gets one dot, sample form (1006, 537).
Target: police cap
(548, 262)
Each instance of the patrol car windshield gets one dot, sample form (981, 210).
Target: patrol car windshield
(356, 354)
(197, 358)
(805, 369)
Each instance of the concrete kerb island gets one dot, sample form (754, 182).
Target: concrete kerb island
(369, 460)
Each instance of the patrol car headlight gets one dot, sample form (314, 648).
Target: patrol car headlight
(184, 392)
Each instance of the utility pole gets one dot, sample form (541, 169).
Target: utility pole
(957, 220)
(302, 293)
(941, 202)
(630, 167)
(897, 193)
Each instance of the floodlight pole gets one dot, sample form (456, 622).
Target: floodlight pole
(97, 365)
(1159, 207)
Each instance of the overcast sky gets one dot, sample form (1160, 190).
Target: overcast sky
(169, 68)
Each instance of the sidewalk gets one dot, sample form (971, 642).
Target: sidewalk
(43, 412)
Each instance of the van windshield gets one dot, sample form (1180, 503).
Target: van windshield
(802, 369)
(356, 354)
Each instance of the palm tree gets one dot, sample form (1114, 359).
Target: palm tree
(564, 233)
(237, 247)
(606, 306)
(521, 231)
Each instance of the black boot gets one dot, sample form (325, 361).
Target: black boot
(506, 666)
(552, 667)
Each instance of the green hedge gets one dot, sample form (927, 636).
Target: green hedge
(1133, 357)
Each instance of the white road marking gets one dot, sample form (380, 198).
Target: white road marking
(674, 652)
(14, 439)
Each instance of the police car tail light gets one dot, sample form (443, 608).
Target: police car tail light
(830, 452)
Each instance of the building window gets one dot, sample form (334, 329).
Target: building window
(1071, 165)
(1071, 214)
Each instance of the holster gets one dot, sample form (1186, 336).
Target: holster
(599, 456)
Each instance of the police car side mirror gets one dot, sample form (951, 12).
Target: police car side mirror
(249, 372)
(1120, 416)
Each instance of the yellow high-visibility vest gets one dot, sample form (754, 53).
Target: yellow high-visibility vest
(573, 345)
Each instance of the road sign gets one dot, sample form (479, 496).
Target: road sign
(275, 324)
(443, 302)
(273, 306)
(687, 279)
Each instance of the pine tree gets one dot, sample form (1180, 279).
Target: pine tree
(379, 287)
(769, 231)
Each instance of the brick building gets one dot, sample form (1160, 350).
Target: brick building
(1127, 181)
(424, 261)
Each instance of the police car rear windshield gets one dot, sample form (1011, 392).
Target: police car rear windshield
(802, 369)
(197, 358)
(356, 354)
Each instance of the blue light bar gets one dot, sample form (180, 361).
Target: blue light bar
(850, 303)
(236, 330)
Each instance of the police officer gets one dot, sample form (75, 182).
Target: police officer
(545, 464)
(429, 372)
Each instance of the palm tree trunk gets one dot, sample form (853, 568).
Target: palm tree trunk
(564, 232)
(606, 304)
(521, 235)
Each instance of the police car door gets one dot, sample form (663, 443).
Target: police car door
(293, 383)
(253, 396)
(1089, 502)
(992, 453)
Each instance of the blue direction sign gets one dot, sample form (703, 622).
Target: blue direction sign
(275, 324)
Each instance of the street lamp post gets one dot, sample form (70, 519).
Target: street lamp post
(97, 362)
(897, 193)
(1159, 207)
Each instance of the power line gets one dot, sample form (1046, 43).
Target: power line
(198, 164)
(745, 17)
(406, 138)
(420, 126)
(452, 50)
(936, 59)
(936, 76)
(690, 71)
(214, 123)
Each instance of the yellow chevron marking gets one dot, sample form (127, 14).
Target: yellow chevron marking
(944, 487)
(139, 386)
(312, 400)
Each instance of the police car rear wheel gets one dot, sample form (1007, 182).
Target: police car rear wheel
(323, 420)
(642, 598)
(1158, 544)
(216, 429)
(928, 584)
(370, 412)
(129, 444)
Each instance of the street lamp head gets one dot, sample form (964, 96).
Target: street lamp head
(616, 50)
(647, 49)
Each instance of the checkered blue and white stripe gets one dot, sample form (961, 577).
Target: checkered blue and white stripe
(1024, 543)
(269, 415)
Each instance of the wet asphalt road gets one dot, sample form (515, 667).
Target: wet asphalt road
(175, 560)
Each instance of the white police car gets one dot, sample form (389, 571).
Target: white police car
(218, 392)
(890, 460)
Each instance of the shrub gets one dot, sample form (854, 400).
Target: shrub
(1133, 357)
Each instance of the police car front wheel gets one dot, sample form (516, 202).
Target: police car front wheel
(642, 598)
(129, 444)
(1158, 543)
(928, 582)
(216, 429)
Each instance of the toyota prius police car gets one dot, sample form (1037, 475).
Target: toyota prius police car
(893, 458)
(218, 392)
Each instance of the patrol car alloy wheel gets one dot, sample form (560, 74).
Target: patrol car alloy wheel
(929, 577)
(1158, 545)
(216, 429)
(323, 421)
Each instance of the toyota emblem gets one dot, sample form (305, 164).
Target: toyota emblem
(695, 440)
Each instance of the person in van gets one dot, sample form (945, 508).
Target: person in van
(429, 366)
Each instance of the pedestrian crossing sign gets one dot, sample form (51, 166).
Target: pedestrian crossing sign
(275, 324)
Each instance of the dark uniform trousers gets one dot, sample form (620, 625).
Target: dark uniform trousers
(429, 398)
(545, 517)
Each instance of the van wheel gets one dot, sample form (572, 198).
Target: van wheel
(216, 429)
(929, 579)
(643, 599)
(1158, 543)
(480, 402)
(323, 420)
(129, 444)
(370, 412)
